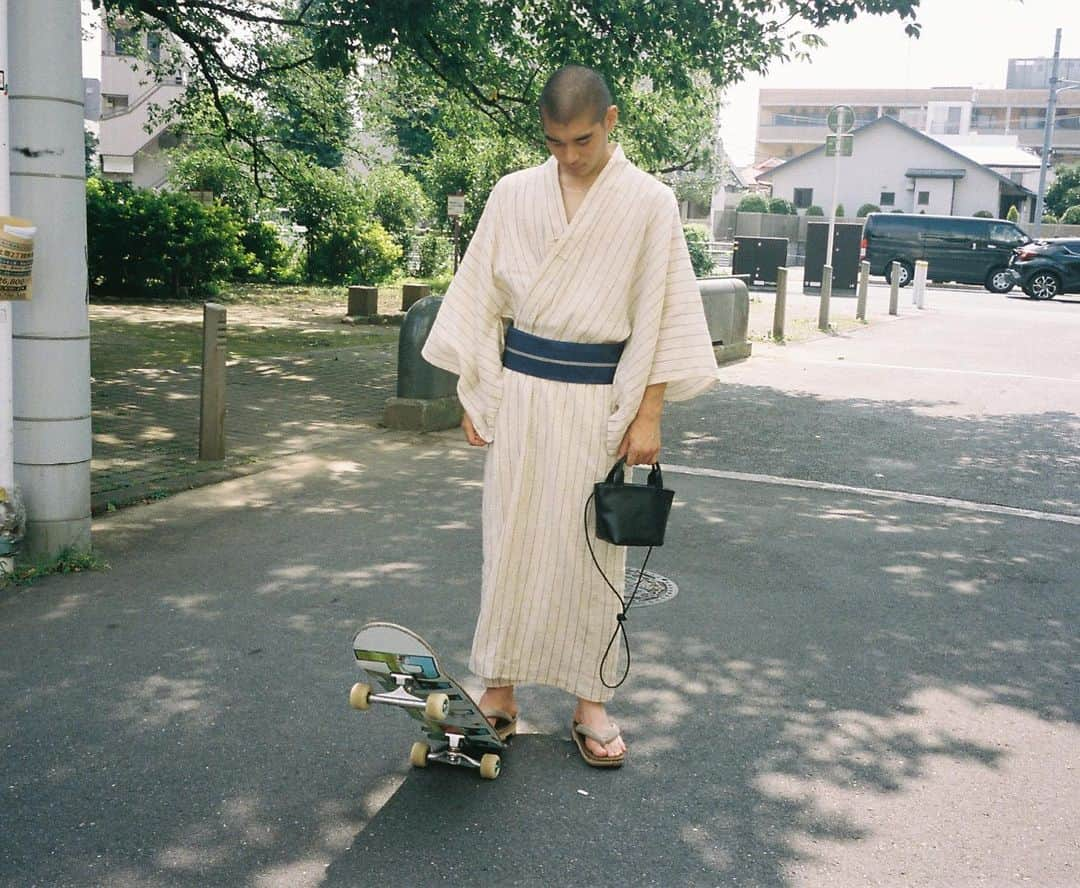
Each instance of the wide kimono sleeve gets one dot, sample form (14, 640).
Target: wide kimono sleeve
(669, 339)
(467, 336)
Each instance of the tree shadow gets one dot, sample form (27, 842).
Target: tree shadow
(196, 731)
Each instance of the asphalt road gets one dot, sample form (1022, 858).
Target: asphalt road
(850, 688)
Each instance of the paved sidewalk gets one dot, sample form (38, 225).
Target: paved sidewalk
(146, 423)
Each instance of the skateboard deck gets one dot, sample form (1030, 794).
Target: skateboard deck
(402, 670)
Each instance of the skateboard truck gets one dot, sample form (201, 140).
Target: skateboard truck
(435, 706)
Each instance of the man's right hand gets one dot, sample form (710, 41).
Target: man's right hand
(470, 432)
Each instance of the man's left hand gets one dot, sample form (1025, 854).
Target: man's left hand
(641, 443)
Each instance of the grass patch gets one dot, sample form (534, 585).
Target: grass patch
(67, 561)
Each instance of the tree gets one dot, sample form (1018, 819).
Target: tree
(495, 54)
(866, 209)
(1065, 192)
(1013, 215)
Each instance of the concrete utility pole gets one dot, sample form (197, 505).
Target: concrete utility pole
(1048, 128)
(51, 332)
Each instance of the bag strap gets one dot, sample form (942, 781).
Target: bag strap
(625, 604)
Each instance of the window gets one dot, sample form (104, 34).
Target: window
(153, 47)
(110, 104)
(1003, 232)
(888, 199)
(126, 41)
(924, 198)
(804, 198)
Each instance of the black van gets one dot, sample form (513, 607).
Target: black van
(964, 249)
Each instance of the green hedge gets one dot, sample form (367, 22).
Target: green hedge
(145, 243)
(697, 241)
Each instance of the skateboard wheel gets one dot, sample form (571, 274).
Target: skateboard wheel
(489, 766)
(418, 754)
(437, 706)
(360, 696)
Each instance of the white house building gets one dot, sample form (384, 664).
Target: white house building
(896, 167)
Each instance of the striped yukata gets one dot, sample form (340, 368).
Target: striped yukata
(618, 271)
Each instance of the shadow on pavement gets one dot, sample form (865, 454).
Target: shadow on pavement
(182, 720)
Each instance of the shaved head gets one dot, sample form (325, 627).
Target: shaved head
(572, 92)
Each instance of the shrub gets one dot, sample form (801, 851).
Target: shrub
(753, 203)
(866, 209)
(983, 214)
(1049, 219)
(840, 211)
(266, 257)
(780, 207)
(353, 252)
(149, 244)
(1071, 216)
(1013, 215)
(815, 211)
(435, 251)
(697, 241)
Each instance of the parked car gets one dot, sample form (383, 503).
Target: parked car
(1045, 268)
(962, 249)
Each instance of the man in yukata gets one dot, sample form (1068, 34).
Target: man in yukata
(574, 315)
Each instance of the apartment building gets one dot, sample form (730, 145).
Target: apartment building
(793, 121)
(130, 144)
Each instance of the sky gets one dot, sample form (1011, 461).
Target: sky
(963, 43)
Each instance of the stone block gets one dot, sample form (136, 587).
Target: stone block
(363, 302)
(413, 293)
(422, 414)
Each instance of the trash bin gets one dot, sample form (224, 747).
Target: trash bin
(759, 257)
(845, 256)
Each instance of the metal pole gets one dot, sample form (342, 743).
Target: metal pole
(1048, 133)
(835, 195)
(51, 332)
(780, 309)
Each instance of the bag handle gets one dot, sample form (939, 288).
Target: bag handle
(617, 476)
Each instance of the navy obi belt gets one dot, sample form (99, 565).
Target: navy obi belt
(586, 362)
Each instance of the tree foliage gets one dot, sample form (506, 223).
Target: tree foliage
(495, 54)
(1065, 192)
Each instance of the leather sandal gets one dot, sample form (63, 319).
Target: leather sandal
(505, 724)
(579, 731)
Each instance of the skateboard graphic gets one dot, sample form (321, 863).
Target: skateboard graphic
(404, 671)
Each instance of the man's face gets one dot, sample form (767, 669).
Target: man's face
(580, 146)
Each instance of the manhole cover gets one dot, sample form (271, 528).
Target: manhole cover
(654, 589)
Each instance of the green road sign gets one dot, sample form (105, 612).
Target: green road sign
(841, 119)
(845, 143)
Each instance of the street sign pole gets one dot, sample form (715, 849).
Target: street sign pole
(841, 121)
(455, 206)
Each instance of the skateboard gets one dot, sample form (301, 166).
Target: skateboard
(404, 671)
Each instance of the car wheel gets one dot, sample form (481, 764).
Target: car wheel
(1000, 280)
(1043, 285)
(907, 272)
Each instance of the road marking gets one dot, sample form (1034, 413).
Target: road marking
(903, 496)
(845, 363)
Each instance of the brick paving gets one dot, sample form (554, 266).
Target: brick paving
(146, 421)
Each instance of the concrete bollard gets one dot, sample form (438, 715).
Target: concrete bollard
(413, 293)
(894, 288)
(780, 308)
(363, 302)
(864, 285)
(826, 295)
(212, 403)
(426, 396)
(919, 283)
(726, 302)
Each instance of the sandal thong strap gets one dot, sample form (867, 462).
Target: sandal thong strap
(601, 737)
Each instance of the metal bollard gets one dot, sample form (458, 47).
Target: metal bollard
(212, 403)
(864, 284)
(894, 288)
(919, 285)
(780, 309)
(826, 295)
